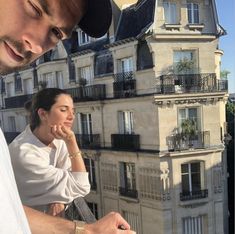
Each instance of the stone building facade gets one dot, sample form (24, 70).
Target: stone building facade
(150, 113)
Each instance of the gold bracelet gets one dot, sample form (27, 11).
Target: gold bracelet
(79, 227)
(76, 154)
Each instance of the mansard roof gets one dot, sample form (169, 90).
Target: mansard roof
(136, 20)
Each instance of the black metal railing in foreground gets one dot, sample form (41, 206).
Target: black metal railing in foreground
(79, 210)
(126, 192)
(191, 195)
(190, 83)
(88, 93)
(180, 141)
(125, 141)
(10, 136)
(88, 141)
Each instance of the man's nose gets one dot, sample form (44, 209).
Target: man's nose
(32, 44)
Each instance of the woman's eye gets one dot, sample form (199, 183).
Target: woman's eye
(57, 33)
(36, 10)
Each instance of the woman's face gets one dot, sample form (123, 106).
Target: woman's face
(61, 113)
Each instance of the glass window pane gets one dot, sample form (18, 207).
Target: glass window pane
(185, 183)
(184, 168)
(196, 182)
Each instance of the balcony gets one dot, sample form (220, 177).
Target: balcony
(124, 85)
(125, 142)
(88, 141)
(88, 93)
(10, 136)
(187, 196)
(17, 101)
(180, 141)
(190, 83)
(126, 192)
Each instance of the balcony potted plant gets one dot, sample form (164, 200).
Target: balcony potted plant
(188, 131)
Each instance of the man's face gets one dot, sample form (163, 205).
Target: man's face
(29, 28)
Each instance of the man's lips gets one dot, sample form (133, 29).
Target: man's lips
(13, 53)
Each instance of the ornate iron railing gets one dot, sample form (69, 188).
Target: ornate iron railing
(88, 93)
(128, 192)
(125, 141)
(17, 101)
(88, 141)
(180, 141)
(190, 83)
(191, 195)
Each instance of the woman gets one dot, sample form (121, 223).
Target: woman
(47, 161)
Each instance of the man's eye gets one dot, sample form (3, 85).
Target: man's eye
(36, 10)
(57, 33)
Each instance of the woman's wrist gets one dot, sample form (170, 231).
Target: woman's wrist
(75, 154)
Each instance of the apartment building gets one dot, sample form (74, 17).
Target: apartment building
(150, 113)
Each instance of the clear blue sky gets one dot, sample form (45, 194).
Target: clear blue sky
(226, 14)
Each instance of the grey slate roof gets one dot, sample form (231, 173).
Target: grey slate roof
(136, 19)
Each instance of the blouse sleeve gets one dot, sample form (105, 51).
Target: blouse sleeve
(40, 182)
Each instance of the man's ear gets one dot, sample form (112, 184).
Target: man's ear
(42, 114)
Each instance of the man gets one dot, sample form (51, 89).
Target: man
(28, 29)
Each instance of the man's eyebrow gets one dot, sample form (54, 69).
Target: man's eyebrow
(46, 9)
(44, 6)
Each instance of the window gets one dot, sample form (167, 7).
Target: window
(191, 114)
(59, 80)
(193, 13)
(184, 61)
(94, 209)
(90, 167)
(170, 12)
(12, 124)
(28, 86)
(18, 82)
(125, 65)
(194, 225)
(85, 76)
(125, 119)
(48, 80)
(86, 124)
(83, 38)
(10, 89)
(193, 181)
(128, 180)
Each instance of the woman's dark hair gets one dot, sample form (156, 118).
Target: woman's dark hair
(44, 99)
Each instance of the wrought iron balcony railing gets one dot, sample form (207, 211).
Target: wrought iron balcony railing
(191, 195)
(128, 192)
(88, 141)
(124, 88)
(17, 101)
(124, 85)
(190, 83)
(10, 136)
(180, 141)
(125, 141)
(123, 76)
(88, 93)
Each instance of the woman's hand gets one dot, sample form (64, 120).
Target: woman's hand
(56, 209)
(62, 132)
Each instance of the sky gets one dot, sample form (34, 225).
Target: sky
(226, 14)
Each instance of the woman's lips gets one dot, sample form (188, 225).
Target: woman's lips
(13, 54)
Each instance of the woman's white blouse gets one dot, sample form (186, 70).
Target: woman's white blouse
(43, 174)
